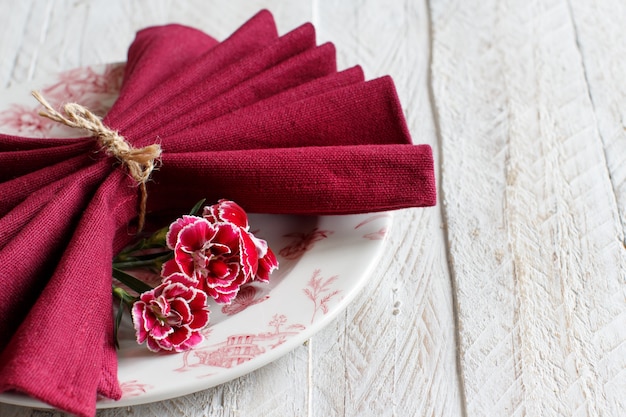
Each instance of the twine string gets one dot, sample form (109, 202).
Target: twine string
(140, 162)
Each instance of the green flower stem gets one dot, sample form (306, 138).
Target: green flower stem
(155, 240)
(126, 300)
(130, 281)
(149, 260)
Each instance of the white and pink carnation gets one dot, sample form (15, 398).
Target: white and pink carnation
(212, 256)
(229, 211)
(216, 253)
(170, 317)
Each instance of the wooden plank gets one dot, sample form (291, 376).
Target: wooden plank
(603, 44)
(602, 40)
(532, 220)
(393, 351)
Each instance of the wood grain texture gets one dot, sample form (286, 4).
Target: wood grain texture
(602, 42)
(535, 238)
(602, 45)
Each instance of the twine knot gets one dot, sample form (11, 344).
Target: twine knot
(140, 162)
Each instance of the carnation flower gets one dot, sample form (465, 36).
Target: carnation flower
(216, 252)
(170, 317)
(229, 211)
(199, 257)
(217, 258)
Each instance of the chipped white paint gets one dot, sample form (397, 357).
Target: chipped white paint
(524, 106)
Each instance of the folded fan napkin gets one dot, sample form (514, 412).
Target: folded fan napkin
(264, 120)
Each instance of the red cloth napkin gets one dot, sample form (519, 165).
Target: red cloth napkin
(264, 120)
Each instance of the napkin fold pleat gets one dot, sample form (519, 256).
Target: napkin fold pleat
(200, 93)
(149, 67)
(256, 33)
(69, 381)
(15, 163)
(262, 119)
(33, 184)
(332, 172)
(309, 65)
(356, 114)
(47, 221)
(9, 143)
(309, 89)
(20, 214)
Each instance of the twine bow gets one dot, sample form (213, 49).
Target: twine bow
(140, 162)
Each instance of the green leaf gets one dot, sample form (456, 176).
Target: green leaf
(197, 207)
(130, 281)
(150, 260)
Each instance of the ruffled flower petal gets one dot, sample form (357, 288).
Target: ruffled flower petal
(172, 234)
(170, 317)
(267, 265)
(216, 252)
(226, 211)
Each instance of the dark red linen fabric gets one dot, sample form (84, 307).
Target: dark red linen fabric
(264, 120)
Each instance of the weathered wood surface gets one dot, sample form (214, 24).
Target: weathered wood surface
(536, 244)
(515, 304)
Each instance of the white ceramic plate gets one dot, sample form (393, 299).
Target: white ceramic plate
(324, 262)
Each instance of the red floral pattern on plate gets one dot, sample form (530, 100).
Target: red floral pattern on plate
(378, 234)
(303, 242)
(24, 120)
(134, 388)
(319, 290)
(240, 348)
(247, 297)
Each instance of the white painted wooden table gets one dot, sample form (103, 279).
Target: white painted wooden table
(509, 298)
